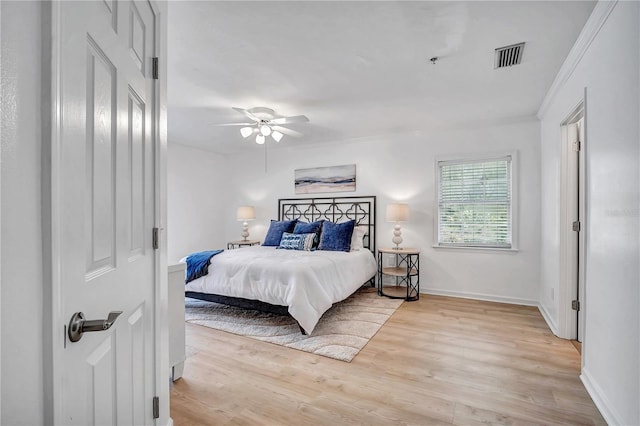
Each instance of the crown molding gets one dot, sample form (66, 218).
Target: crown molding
(596, 20)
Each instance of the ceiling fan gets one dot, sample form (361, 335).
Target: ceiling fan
(266, 123)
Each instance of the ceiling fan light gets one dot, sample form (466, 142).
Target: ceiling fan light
(276, 135)
(265, 130)
(260, 139)
(246, 131)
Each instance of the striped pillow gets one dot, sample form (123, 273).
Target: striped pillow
(297, 241)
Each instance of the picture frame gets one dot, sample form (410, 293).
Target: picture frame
(325, 179)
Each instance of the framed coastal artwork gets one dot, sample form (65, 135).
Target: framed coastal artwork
(326, 179)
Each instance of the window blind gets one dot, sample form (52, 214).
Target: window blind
(474, 203)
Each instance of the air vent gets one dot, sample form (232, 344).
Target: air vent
(509, 55)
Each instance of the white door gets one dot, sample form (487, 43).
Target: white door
(574, 187)
(581, 190)
(103, 211)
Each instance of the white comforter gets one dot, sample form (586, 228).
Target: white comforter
(307, 282)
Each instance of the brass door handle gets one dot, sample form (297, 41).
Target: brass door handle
(79, 325)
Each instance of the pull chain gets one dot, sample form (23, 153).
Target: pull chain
(265, 157)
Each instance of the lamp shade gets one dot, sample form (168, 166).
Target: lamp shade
(246, 132)
(265, 130)
(246, 213)
(397, 212)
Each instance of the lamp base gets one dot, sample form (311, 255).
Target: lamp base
(245, 231)
(397, 237)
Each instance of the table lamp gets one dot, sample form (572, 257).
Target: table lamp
(397, 212)
(245, 213)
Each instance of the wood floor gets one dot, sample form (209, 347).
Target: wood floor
(439, 360)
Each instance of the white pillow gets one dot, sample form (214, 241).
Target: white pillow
(357, 237)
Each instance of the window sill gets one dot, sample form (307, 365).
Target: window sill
(481, 249)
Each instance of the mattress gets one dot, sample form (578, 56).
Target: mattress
(307, 282)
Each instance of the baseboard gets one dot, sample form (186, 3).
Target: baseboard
(600, 399)
(548, 319)
(480, 296)
(170, 422)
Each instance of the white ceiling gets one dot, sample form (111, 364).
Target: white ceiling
(359, 69)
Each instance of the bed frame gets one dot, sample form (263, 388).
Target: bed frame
(334, 209)
(362, 209)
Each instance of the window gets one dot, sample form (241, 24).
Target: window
(474, 203)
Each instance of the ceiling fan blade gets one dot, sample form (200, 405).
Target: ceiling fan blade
(287, 120)
(235, 124)
(247, 113)
(266, 112)
(287, 132)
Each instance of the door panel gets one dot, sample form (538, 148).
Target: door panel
(101, 134)
(112, 10)
(137, 150)
(138, 392)
(106, 211)
(101, 380)
(137, 37)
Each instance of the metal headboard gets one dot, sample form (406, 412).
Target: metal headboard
(362, 209)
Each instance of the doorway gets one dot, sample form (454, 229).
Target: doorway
(573, 224)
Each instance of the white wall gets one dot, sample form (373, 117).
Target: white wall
(198, 200)
(610, 70)
(21, 269)
(402, 168)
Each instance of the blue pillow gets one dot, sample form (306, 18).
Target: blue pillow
(297, 241)
(308, 228)
(336, 236)
(274, 234)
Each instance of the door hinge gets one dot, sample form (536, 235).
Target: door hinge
(577, 145)
(154, 68)
(156, 407)
(155, 239)
(575, 305)
(576, 226)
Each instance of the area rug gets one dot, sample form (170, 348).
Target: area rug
(341, 332)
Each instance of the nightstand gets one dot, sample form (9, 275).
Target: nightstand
(242, 243)
(406, 271)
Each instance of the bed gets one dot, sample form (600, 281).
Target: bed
(303, 284)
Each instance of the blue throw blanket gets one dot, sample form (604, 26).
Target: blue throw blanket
(198, 264)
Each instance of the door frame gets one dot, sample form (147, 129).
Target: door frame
(54, 327)
(162, 372)
(573, 179)
(1, 218)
